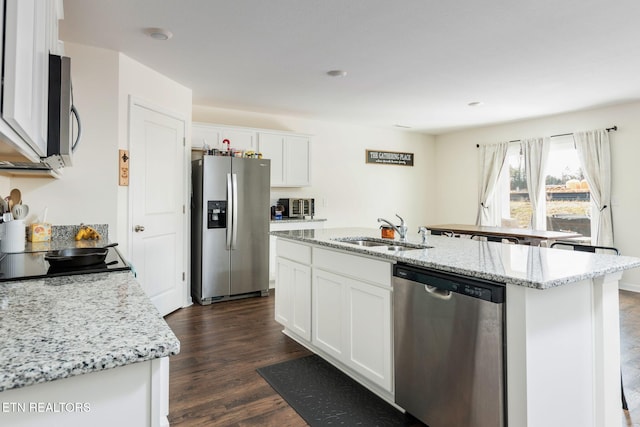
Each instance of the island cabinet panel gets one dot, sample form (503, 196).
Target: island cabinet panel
(352, 313)
(563, 354)
(329, 332)
(293, 298)
(359, 267)
(293, 301)
(131, 395)
(369, 331)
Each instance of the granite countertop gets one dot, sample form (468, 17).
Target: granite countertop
(60, 327)
(523, 265)
(285, 220)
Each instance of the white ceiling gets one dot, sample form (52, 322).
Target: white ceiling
(416, 63)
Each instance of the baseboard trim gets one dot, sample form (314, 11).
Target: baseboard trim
(625, 286)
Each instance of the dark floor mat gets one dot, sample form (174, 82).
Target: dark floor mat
(324, 396)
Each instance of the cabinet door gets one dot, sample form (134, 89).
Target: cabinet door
(297, 158)
(369, 330)
(284, 283)
(293, 297)
(272, 147)
(301, 301)
(329, 329)
(201, 135)
(240, 139)
(26, 71)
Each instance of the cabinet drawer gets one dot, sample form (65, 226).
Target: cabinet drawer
(359, 267)
(293, 251)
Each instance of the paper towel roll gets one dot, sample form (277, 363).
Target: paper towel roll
(13, 236)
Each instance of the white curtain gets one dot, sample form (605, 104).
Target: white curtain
(492, 160)
(595, 158)
(536, 151)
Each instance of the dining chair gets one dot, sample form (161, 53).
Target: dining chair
(560, 244)
(447, 233)
(491, 238)
(593, 249)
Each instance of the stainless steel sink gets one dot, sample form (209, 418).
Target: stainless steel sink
(401, 248)
(390, 244)
(364, 242)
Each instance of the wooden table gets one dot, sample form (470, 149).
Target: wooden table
(527, 235)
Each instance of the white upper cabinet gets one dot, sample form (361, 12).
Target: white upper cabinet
(297, 161)
(272, 147)
(31, 32)
(290, 158)
(26, 71)
(290, 153)
(214, 136)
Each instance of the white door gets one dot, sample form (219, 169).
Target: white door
(157, 197)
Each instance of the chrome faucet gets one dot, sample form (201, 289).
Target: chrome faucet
(401, 229)
(422, 230)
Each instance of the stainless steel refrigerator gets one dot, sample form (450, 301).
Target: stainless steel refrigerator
(229, 228)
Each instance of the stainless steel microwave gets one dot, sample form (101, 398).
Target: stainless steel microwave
(297, 208)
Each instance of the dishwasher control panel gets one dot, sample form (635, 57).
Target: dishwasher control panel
(471, 286)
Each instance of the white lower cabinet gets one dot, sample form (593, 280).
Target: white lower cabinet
(329, 333)
(340, 305)
(352, 323)
(369, 332)
(293, 298)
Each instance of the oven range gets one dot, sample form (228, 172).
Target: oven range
(32, 265)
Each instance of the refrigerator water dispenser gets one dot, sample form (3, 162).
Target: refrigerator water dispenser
(216, 214)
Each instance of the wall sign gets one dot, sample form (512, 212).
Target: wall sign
(389, 158)
(123, 173)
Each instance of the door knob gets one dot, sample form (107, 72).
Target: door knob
(138, 228)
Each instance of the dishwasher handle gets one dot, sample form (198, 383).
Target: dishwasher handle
(438, 293)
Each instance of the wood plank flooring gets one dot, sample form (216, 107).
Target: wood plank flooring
(214, 380)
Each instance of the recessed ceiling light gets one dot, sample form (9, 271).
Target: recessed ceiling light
(337, 73)
(475, 104)
(402, 126)
(158, 33)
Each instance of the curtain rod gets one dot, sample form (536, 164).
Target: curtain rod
(611, 129)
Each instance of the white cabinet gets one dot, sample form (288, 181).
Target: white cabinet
(290, 153)
(285, 225)
(368, 325)
(30, 29)
(297, 161)
(340, 304)
(214, 135)
(290, 158)
(272, 147)
(352, 317)
(293, 297)
(329, 332)
(293, 304)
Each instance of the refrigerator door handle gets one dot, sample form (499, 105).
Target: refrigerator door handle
(234, 213)
(230, 210)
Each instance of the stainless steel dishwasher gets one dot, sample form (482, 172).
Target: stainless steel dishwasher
(449, 348)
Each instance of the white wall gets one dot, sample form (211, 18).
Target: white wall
(348, 191)
(457, 167)
(164, 94)
(87, 191)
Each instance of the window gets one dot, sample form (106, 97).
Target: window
(568, 202)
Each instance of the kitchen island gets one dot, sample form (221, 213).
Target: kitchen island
(83, 350)
(562, 347)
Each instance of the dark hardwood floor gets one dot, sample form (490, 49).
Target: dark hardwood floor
(214, 380)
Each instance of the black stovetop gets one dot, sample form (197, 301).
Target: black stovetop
(32, 265)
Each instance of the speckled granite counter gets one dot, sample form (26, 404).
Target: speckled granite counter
(295, 220)
(529, 266)
(61, 327)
